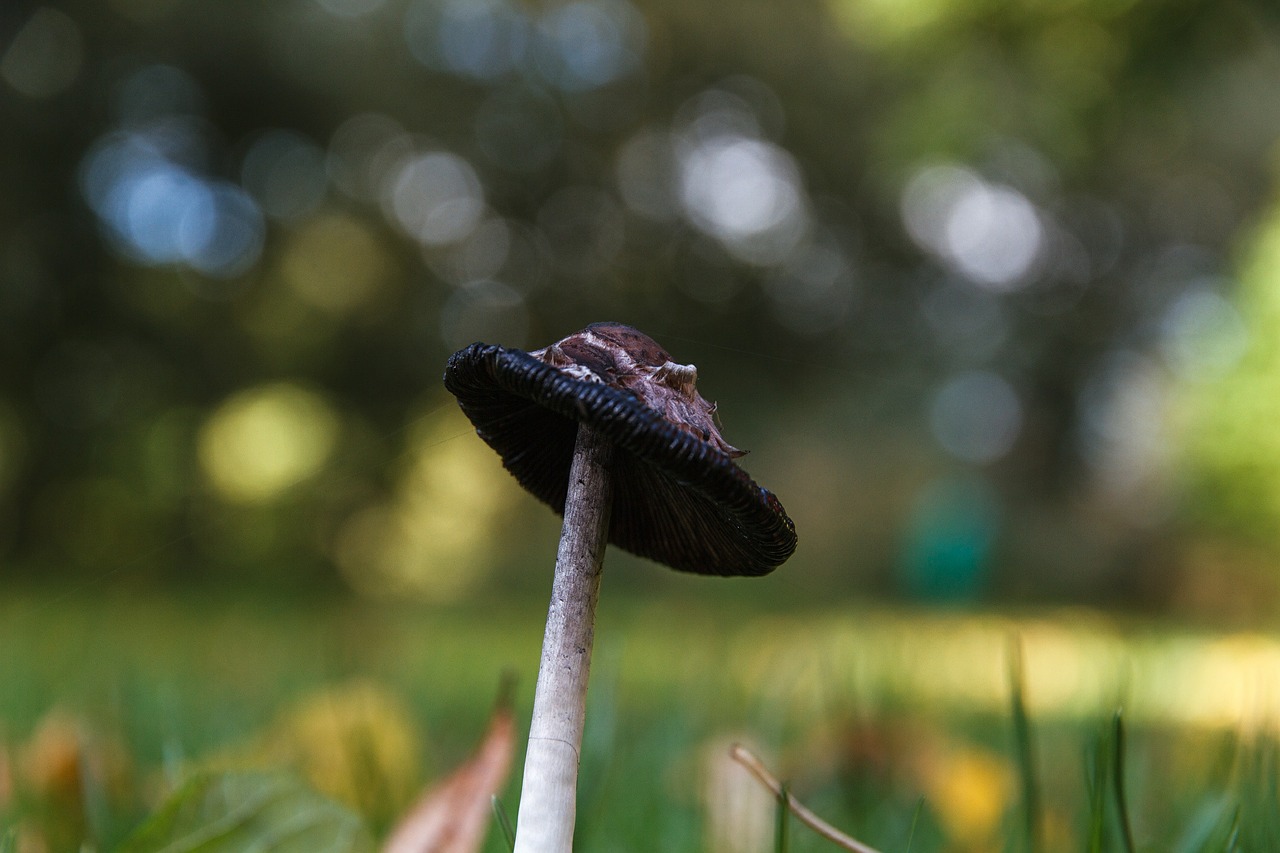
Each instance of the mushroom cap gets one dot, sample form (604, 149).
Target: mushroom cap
(679, 498)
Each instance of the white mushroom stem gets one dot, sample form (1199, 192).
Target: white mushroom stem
(548, 795)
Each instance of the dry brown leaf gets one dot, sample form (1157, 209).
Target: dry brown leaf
(454, 814)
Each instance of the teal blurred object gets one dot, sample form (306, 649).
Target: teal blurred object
(949, 539)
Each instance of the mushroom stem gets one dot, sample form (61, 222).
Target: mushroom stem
(548, 795)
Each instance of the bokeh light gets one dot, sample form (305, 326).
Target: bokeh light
(745, 192)
(1124, 431)
(647, 174)
(44, 57)
(432, 539)
(586, 44)
(483, 40)
(362, 152)
(284, 172)
(435, 197)
(481, 255)
(157, 91)
(147, 185)
(976, 416)
(573, 47)
(263, 441)
(988, 232)
(336, 263)
(1204, 335)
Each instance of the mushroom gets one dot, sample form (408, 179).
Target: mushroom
(610, 432)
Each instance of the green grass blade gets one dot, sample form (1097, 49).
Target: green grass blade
(915, 820)
(504, 823)
(1024, 751)
(1117, 780)
(1233, 840)
(1212, 828)
(232, 812)
(1096, 778)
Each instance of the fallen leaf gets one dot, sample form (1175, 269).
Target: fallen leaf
(453, 815)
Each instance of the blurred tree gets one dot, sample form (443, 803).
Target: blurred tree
(924, 240)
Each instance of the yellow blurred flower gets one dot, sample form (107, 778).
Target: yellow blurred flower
(969, 790)
(356, 742)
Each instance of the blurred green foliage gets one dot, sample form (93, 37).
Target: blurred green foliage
(1233, 446)
(926, 251)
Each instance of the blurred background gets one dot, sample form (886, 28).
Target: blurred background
(990, 290)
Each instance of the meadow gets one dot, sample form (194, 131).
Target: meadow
(909, 729)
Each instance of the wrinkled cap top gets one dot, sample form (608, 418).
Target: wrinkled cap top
(678, 496)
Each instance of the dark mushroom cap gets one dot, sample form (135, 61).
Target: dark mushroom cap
(679, 498)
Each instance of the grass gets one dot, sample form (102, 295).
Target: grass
(909, 730)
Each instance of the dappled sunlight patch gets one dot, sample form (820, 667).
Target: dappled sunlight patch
(1229, 682)
(262, 441)
(433, 538)
(1076, 665)
(1072, 670)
